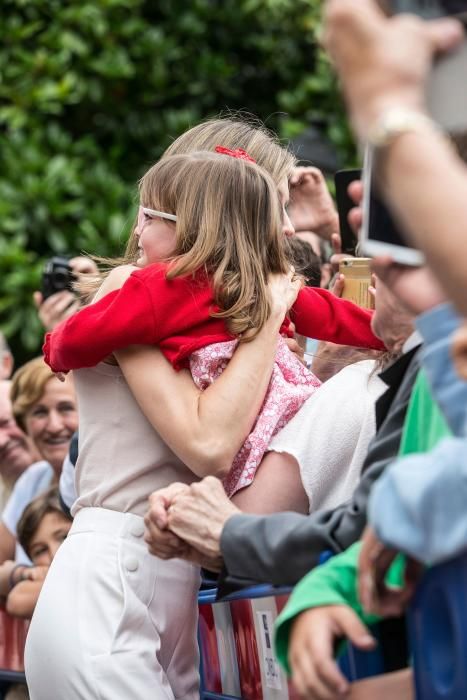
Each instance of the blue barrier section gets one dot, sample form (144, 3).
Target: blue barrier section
(438, 632)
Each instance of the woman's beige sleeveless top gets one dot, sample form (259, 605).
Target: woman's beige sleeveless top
(122, 459)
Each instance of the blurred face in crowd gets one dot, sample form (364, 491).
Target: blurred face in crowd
(287, 226)
(390, 322)
(48, 537)
(52, 420)
(156, 239)
(16, 452)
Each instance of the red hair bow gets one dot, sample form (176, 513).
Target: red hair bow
(237, 153)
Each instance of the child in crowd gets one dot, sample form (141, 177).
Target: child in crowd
(41, 530)
(208, 295)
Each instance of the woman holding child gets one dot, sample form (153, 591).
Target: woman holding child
(118, 621)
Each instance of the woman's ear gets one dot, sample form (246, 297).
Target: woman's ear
(459, 351)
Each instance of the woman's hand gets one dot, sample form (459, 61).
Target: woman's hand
(311, 206)
(283, 291)
(161, 542)
(314, 632)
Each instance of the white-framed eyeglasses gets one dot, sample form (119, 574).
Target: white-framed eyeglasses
(153, 214)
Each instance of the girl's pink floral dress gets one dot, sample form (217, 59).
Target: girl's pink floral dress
(291, 384)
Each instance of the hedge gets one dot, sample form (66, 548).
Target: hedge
(92, 92)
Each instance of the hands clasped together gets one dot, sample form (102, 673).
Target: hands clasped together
(187, 522)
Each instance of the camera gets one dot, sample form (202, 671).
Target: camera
(57, 276)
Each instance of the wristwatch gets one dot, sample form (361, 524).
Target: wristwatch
(397, 121)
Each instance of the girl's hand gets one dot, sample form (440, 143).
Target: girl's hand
(283, 291)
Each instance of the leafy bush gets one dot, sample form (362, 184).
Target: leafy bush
(93, 91)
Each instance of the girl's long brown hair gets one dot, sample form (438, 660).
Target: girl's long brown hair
(229, 224)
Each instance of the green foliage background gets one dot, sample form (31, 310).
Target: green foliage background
(92, 92)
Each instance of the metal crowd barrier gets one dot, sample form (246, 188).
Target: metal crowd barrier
(236, 645)
(13, 633)
(237, 659)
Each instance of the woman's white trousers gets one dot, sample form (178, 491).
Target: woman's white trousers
(113, 622)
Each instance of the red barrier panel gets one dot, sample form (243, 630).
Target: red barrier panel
(13, 631)
(236, 643)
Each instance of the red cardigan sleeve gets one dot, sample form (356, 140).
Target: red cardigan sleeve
(317, 313)
(123, 317)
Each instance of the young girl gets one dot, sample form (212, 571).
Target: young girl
(41, 530)
(216, 257)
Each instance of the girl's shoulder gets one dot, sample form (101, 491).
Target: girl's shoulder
(115, 279)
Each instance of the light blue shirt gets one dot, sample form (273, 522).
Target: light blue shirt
(419, 505)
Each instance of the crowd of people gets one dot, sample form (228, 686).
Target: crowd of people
(235, 412)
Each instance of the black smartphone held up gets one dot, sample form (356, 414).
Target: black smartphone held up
(57, 276)
(380, 235)
(342, 180)
(446, 95)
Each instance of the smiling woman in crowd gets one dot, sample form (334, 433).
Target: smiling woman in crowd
(45, 409)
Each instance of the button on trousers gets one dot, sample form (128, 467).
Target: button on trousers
(112, 621)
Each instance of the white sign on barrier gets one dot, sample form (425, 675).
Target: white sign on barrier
(270, 666)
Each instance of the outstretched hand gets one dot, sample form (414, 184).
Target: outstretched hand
(187, 522)
(198, 516)
(311, 206)
(314, 633)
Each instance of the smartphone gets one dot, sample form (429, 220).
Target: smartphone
(445, 93)
(342, 180)
(357, 273)
(380, 235)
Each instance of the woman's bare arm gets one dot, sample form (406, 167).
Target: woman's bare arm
(206, 429)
